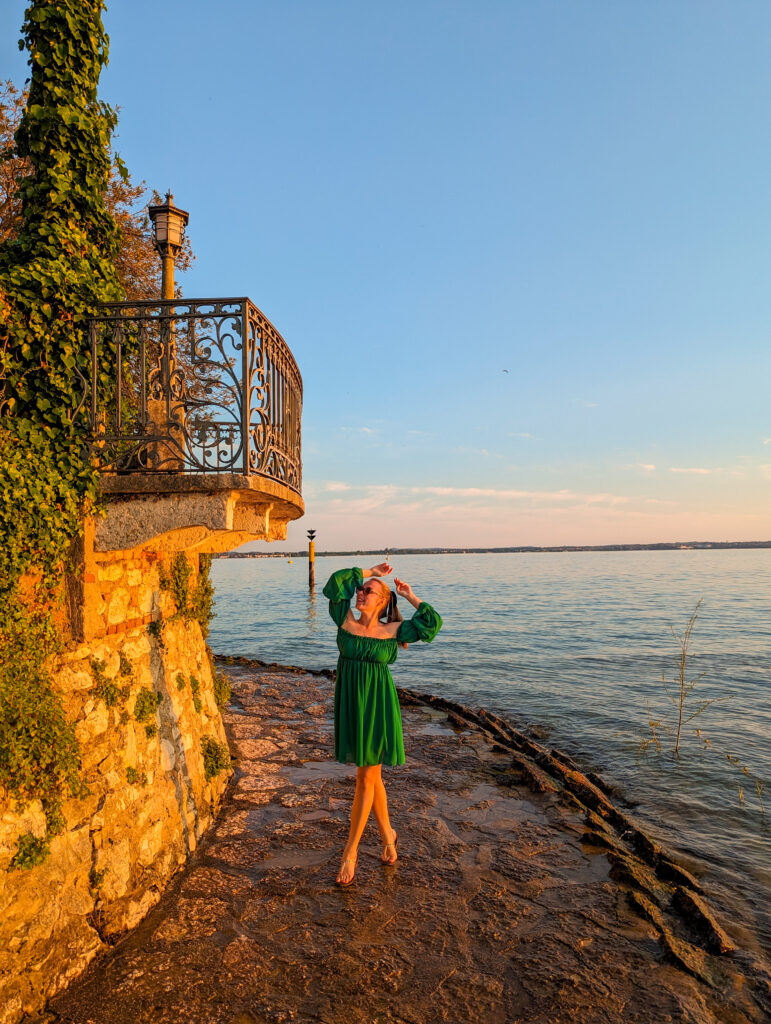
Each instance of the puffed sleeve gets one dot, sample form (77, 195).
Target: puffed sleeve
(340, 588)
(424, 625)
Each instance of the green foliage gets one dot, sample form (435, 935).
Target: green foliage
(155, 629)
(176, 581)
(95, 878)
(125, 668)
(216, 757)
(180, 681)
(60, 266)
(54, 273)
(222, 690)
(39, 754)
(135, 778)
(30, 852)
(151, 730)
(146, 704)
(202, 601)
(106, 689)
(195, 688)
(40, 505)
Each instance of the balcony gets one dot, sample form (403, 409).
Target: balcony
(195, 409)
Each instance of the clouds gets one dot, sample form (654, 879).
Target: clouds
(365, 431)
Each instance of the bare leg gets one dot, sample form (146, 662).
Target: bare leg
(380, 808)
(362, 804)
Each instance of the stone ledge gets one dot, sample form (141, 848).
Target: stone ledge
(175, 512)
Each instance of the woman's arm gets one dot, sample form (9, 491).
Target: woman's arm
(342, 585)
(377, 570)
(405, 590)
(424, 624)
(339, 589)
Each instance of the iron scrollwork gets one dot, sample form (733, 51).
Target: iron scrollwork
(194, 386)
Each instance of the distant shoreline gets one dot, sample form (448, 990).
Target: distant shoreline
(697, 545)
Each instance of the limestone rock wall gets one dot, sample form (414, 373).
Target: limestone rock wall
(141, 696)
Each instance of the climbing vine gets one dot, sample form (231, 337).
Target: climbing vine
(54, 272)
(176, 581)
(198, 606)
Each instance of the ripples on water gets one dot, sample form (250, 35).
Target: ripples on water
(576, 644)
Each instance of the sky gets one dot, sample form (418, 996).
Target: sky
(520, 249)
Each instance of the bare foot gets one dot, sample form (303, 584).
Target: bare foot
(390, 855)
(347, 871)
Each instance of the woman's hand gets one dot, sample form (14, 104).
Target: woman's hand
(379, 570)
(405, 590)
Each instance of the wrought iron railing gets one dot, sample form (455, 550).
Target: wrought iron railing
(193, 386)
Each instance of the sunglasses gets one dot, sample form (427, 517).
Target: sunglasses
(368, 590)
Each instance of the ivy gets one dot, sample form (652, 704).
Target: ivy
(54, 273)
(39, 753)
(202, 601)
(175, 580)
(60, 266)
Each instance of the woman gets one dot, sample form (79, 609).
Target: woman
(368, 723)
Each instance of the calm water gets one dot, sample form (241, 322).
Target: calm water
(575, 645)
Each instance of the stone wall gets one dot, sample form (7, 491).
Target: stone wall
(148, 800)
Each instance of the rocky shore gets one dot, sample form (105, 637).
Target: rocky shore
(523, 893)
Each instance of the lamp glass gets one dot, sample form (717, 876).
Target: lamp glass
(174, 229)
(162, 226)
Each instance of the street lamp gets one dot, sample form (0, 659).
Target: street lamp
(169, 223)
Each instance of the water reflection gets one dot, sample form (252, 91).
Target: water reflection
(311, 612)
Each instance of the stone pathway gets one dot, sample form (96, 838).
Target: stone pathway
(496, 911)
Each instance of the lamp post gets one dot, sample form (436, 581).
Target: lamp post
(167, 411)
(169, 223)
(311, 559)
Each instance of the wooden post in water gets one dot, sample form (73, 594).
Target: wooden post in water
(311, 560)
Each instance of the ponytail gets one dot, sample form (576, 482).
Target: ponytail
(391, 610)
(392, 613)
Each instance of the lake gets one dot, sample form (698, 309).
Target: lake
(574, 645)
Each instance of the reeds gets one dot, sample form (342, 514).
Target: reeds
(679, 692)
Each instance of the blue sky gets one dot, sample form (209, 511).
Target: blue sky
(424, 195)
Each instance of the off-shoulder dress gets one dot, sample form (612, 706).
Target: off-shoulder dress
(368, 722)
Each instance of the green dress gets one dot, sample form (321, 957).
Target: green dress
(368, 722)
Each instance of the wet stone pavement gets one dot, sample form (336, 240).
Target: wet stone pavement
(497, 910)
